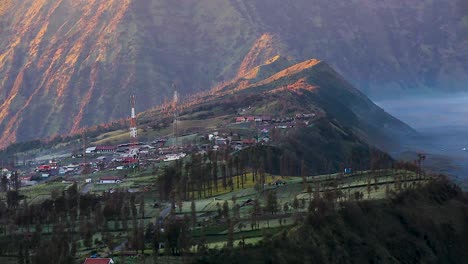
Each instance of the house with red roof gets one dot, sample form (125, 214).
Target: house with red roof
(249, 141)
(131, 161)
(99, 261)
(240, 119)
(105, 149)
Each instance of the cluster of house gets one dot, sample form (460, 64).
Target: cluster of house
(242, 119)
(44, 171)
(130, 155)
(122, 148)
(219, 141)
(287, 122)
(269, 119)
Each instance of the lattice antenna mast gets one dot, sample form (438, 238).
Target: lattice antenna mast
(83, 136)
(133, 124)
(176, 114)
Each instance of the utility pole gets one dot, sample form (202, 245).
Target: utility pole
(421, 158)
(174, 108)
(83, 135)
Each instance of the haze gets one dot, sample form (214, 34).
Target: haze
(442, 122)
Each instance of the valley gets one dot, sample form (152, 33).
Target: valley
(443, 125)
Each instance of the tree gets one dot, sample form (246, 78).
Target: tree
(272, 202)
(237, 211)
(223, 174)
(88, 239)
(124, 216)
(295, 204)
(230, 167)
(230, 236)
(193, 213)
(73, 249)
(225, 209)
(20, 254)
(258, 187)
(12, 199)
(215, 171)
(241, 226)
(142, 207)
(256, 211)
(108, 239)
(309, 191)
(304, 173)
(237, 163)
(15, 180)
(4, 183)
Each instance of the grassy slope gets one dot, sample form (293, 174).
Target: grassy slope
(426, 225)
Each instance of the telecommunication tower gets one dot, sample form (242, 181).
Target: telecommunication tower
(133, 124)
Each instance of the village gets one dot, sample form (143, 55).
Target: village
(225, 169)
(115, 160)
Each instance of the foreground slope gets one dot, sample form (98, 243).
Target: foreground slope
(421, 225)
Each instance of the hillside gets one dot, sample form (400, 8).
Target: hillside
(423, 225)
(279, 88)
(305, 110)
(68, 64)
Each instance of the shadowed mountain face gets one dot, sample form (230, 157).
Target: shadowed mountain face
(68, 64)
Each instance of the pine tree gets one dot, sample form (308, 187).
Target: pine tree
(193, 213)
(226, 209)
(272, 202)
(230, 236)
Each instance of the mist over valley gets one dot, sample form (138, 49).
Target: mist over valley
(442, 122)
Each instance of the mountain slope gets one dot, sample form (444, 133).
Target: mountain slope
(311, 86)
(69, 64)
(310, 113)
(315, 84)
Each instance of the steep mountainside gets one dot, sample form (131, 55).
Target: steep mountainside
(314, 115)
(67, 64)
(282, 91)
(313, 85)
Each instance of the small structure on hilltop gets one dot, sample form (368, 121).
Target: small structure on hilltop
(90, 150)
(109, 180)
